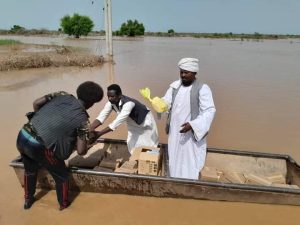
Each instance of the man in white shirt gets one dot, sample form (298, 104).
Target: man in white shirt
(142, 130)
(191, 112)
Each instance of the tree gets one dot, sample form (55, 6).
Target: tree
(17, 29)
(131, 28)
(171, 32)
(76, 25)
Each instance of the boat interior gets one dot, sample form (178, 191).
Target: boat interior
(223, 166)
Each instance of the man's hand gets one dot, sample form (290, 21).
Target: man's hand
(92, 137)
(185, 128)
(98, 134)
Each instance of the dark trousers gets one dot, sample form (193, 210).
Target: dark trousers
(35, 155)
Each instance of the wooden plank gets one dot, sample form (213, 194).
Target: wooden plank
(246, 164)
(90, 160)
(256, 179)
(277, 179)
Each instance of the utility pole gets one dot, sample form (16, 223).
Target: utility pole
(108, 29)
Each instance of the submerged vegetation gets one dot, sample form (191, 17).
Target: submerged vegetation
(38, 56)
(229, 35)
(242, 36)
(30, 32)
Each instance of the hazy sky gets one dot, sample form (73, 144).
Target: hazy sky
(237, 16)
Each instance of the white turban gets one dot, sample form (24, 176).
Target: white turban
(189, 64)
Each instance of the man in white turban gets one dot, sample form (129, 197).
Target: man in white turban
(191, 112)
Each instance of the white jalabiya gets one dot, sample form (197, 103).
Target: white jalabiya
(187, 151)
(144, 134)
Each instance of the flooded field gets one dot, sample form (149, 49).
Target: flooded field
(257, 96)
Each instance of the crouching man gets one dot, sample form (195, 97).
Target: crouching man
(58, 125)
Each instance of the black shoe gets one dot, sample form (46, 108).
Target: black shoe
(62, 207)
(28, 203)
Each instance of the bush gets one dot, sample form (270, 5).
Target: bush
(76, 25)
(257, 35)
(131, 28)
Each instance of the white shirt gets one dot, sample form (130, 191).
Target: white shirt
(122, 115)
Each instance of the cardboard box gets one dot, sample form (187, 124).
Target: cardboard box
(108, 163)
(127, 167)
(137, 151)
(149, 161)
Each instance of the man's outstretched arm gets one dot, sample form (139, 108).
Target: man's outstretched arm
(96, 123)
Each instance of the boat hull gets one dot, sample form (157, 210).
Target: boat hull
(88, 180)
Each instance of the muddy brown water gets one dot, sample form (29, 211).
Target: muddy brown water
(256, 88)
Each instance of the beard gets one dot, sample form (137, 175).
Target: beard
(114, 102)
(186, 82)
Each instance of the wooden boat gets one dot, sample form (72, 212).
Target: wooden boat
(85, 178)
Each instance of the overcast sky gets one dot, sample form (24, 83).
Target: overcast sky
(237, 16)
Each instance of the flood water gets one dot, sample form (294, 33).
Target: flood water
(256, 88)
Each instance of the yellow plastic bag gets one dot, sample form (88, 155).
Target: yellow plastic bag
(158, 104)
(145, 92)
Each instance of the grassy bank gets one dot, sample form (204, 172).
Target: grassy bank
(9, 42)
